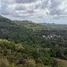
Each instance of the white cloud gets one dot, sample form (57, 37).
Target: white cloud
(34, 8)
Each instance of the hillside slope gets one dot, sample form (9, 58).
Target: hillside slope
(12, 31)
(38, 45)
(30, 25)
(39, 27)
(15, 55)
(3, 19)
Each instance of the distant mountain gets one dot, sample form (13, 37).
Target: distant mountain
(52, 24)
(41, 26)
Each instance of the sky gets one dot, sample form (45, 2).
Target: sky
(38, 11)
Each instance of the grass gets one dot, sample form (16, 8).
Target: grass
(61, 62)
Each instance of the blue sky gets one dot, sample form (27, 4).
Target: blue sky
(38, 11)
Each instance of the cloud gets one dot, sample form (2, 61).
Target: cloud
(56, 7)
(20, 7)
(39, 9)
(8, 1)
(4, 9)
(25, 1)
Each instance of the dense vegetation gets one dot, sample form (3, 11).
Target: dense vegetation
(26, 44)
(16, 55)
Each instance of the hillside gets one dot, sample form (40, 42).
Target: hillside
(26, 44)
(30, 25)
(15, 55)
(40, 26)
(28, 32)
(12, 31)
(3, 19)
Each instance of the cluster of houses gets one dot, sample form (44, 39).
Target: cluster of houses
(51, 36)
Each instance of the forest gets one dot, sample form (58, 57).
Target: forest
(27, 44)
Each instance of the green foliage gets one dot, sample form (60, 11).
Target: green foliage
(30, 25)
(31, 45)
(17, 55)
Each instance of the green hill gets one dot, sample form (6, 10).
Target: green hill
(39, 27)
(3, 19)
(30, 25)
(12, 31)
(26, 44)
(15, 55)
(28, 32)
